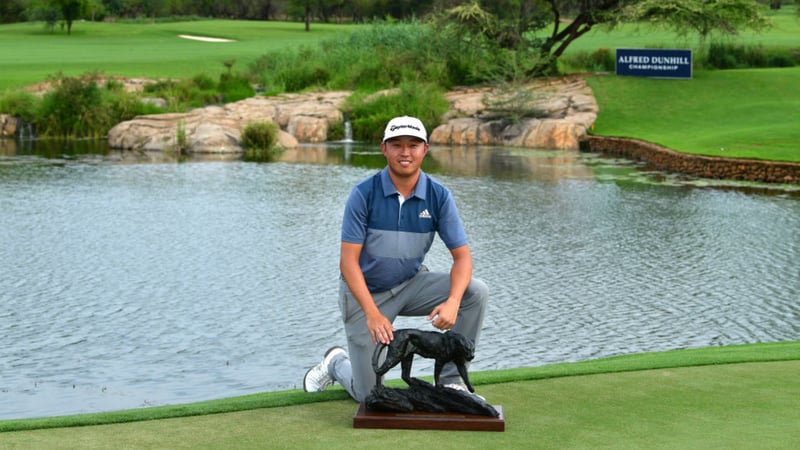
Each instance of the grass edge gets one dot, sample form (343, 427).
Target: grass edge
(731, 354)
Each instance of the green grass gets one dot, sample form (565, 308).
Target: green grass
(29, 53)
(783, 34)
(733, 113)
(742, 396)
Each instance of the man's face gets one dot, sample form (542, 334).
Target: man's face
(404, 154)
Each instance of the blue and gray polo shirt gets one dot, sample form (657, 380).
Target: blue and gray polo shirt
(396, 237)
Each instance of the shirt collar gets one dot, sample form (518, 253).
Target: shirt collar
(389, 189)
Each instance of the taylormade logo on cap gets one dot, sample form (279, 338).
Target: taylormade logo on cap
(405, 126)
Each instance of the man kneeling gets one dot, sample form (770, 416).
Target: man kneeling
(390, 221)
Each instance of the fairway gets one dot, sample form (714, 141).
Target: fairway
(29, 52)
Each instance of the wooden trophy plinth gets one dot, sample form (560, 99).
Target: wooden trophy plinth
(419, 420)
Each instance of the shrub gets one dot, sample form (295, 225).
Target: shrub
(234, 87)
(73, 108)
(369, 114)
(19, 104)
(738, 56)
(204, 82)
(385, 56)
(259, 139)
(600, 60)
(77, 107)
(185, 94)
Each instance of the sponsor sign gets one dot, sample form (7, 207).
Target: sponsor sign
(654, 63)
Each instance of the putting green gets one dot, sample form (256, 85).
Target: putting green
(742, 405)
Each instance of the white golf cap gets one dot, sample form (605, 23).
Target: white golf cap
(405, 126)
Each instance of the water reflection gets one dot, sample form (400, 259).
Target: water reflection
(131, 280)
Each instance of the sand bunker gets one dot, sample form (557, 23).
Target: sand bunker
(204, 38)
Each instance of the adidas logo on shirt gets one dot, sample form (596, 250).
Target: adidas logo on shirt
(425, 214)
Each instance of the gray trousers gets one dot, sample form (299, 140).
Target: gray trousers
(415, 297)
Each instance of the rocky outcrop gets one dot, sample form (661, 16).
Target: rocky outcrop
(217, 129)
(565, 108)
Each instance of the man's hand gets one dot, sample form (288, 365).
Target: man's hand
(380, 328)
(444, 316)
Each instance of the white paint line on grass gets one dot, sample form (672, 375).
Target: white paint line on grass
(204, 38)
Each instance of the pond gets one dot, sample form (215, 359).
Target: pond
(130, 280)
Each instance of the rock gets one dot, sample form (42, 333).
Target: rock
(8, 126)
(565, 108)
(217, 129)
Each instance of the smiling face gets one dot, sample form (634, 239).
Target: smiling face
(404, 154)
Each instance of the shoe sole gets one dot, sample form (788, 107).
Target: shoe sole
(324, 360)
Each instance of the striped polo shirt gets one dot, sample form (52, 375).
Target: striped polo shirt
(396, 237)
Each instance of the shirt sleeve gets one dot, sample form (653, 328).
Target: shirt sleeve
(451, 228)
(354, 222)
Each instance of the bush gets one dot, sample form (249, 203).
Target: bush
(738, 56)
(370, 113)
(385, 56)
(259, 139)
(234, 87)
(73, 108)
(185, 94)
(77, 107)
(204, 82)
(600, 60)
(19, 104)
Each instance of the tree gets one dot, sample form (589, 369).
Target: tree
(52, 11)
(11, 11)
(522, 24)
(702, 17)
(70, 10)
(302, 8)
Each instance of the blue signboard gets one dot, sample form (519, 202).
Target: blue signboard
(654, 62)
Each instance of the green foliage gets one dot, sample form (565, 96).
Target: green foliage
(76, 107)
(370, 113)
(203, 82)
(73, 108)
(234, 87)
(19, 104)
(724, 17)
(387, 55)
(185, 94)
(291, 70)
(741, 56)
(600, 60)
(201, 90)
(181, 143)
(512, 102)
(259, 139)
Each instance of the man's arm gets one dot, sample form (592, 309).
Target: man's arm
(444, 316)
(380, 328)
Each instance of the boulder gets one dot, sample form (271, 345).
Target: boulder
(217, 129)
(8, 126)
(562, 109)
(555, 113)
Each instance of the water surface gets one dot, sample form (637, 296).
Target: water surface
(130, 280)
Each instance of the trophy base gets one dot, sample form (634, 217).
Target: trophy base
(428, 420)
